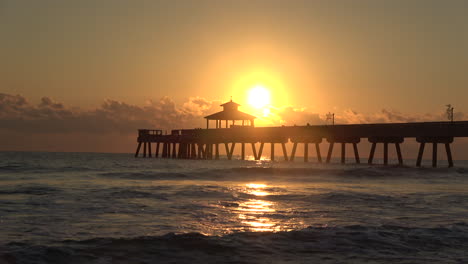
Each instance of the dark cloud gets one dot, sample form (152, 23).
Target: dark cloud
(49, 116)
(49, 125)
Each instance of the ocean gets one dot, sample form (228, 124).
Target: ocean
(114, 208)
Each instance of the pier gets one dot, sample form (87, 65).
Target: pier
(206, 143)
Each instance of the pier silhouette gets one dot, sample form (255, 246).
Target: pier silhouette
(205, 143)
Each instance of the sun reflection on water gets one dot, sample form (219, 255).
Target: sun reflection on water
(256, 189)
(253, 213)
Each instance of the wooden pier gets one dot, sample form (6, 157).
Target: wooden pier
(206, 143)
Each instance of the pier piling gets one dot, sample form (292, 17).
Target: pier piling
(434, 140)
(317, 149)
(330, 151)
(343, 153)
(285, 153)
(272, 151)
(306, 152)
(138, 149)
(356, 153)
(385, 141)
(293, 151)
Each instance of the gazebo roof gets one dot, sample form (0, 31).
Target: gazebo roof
(230, 112)
(230, 103)
(230, 115)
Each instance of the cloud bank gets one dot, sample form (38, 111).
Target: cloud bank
(49, 121)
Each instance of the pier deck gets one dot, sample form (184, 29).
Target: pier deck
(204, 143)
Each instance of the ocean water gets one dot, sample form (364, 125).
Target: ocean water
(113, 208)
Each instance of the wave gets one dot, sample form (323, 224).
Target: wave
(126, 194)
(145, 175)
(39, 169)
(357, 244)
(293, 174)
(31, 190)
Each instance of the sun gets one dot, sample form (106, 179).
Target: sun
(259, 96)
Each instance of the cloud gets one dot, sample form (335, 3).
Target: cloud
(18, 114)
(49, 125)
(392, 116)
(49, 116)
(296, 116)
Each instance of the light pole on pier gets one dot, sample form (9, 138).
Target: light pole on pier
(331, 117)
(449, 112)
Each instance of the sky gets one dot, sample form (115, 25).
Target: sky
(99, 70)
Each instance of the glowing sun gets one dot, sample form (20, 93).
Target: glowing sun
(259, 96)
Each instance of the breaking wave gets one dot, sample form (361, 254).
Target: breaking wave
(357, 244)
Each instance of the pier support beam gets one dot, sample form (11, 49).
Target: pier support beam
(204, 147)
(385, 141)
(356, 153)
(254, 150)
(371, 154)
(317, 149)
(156, 153)
(293, 151)
(343, 153)
(285, 153)
(149, 150)
(164, 150)
(201, 151)
(242, 151)
(343, 141)
(229, 151)
(272, 151)
(138, 149)
(398, 151)
(434, 140)
(385, 153)
(306, 152)
(449, 154)
(183, 151)
(174, 150)
(193, 151)
(306, 139)
(233, 145)
(260, 151)
(216, 151)
(144, 149)
(209, 151)
(434, 155)
(330, 151)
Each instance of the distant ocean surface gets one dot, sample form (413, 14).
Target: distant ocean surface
(113, 208)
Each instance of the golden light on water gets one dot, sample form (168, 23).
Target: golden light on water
(256, 189)
(256, 213)
(256, 206)
(256, 185)
(252, 212)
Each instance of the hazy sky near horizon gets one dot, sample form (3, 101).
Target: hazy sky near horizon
(324, 55)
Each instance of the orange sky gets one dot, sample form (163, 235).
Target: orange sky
(364, 60)
(364, 55)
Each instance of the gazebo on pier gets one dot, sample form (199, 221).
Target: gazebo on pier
(230, 113)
